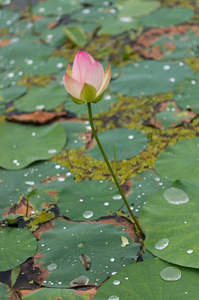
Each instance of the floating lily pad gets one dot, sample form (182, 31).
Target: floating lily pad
(175, 225)
(21, 145)
(24, 49)
(46, 294)
(143, 280)
(144, 186)
(102, 243)
(180, 161)
(186, 92)
(17, 245)
(8, 18)
(166, 16)
(59, 7)
(39, 98)
(12, 92)
(124, 142)
(137, 8)
(92, 199)
(140, 79)
(51, 66)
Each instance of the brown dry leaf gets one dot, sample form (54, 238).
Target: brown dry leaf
(143, 43)
(37, 117)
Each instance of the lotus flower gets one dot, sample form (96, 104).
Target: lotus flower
(87, 80)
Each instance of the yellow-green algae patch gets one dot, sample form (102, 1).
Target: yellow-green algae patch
(38, 219)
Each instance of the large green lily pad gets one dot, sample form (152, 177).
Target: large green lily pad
(62, 246)
(172, 235)
(24, 49)
(12, 92)
(89, 200)
(142, 281)
(45, 67)
(17, 245)
(137, 8)
(21, 145)
(140, 79)
(39, 98)
(120, 143)
(180, 161)
(166, 16)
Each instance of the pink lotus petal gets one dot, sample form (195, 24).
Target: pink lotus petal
(72, 86)
(95, 75)
(82, 63)
(106, 80)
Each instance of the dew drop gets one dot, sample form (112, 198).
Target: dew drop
(166, 67)
(117, 197)
(106, 203)
(112, 259)
(86, 11)
(40, 107)
(41, 9)
(130, 137)
(52, 267)
(107, 97)
(126, 19)
(30, 182)
(88, 214)
(175, 196)
(189, 251)
(162, 244)
(61, 179)
(113, 297)
(116, 282)
(170, 274)
(51, 151)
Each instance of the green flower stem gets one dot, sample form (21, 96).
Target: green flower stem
(137, 225)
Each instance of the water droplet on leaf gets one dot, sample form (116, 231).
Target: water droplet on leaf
(162, 244)
(175, 196)
(113, 297)
(170, 274)
(52, 267)
(88, 214)
(116, 282)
